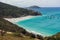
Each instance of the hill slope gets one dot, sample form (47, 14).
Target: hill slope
(34, 8)
(7, 26)
(7, 10)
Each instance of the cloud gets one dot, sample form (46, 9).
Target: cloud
(25, 3)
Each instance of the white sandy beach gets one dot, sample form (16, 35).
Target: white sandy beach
(13, 20)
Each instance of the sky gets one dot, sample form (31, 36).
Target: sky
(27, 3)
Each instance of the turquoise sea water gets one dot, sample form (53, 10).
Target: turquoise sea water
(48, 24)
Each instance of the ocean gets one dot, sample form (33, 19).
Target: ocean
(48, 24)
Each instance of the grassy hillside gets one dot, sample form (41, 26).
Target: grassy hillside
(7, 26)
(7, 10)
(16, 31)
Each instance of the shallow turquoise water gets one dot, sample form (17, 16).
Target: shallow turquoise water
(47, 25)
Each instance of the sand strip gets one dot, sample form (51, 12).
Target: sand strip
(14, 20)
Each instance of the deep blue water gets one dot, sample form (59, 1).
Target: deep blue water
(48, 24)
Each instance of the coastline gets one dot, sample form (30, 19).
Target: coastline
(31, 31)
(14, 20)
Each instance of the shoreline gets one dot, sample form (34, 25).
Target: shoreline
(14, 20)
(31, 31)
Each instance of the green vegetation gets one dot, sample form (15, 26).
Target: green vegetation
(7, 26)
(11, 37)
(13, 11)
